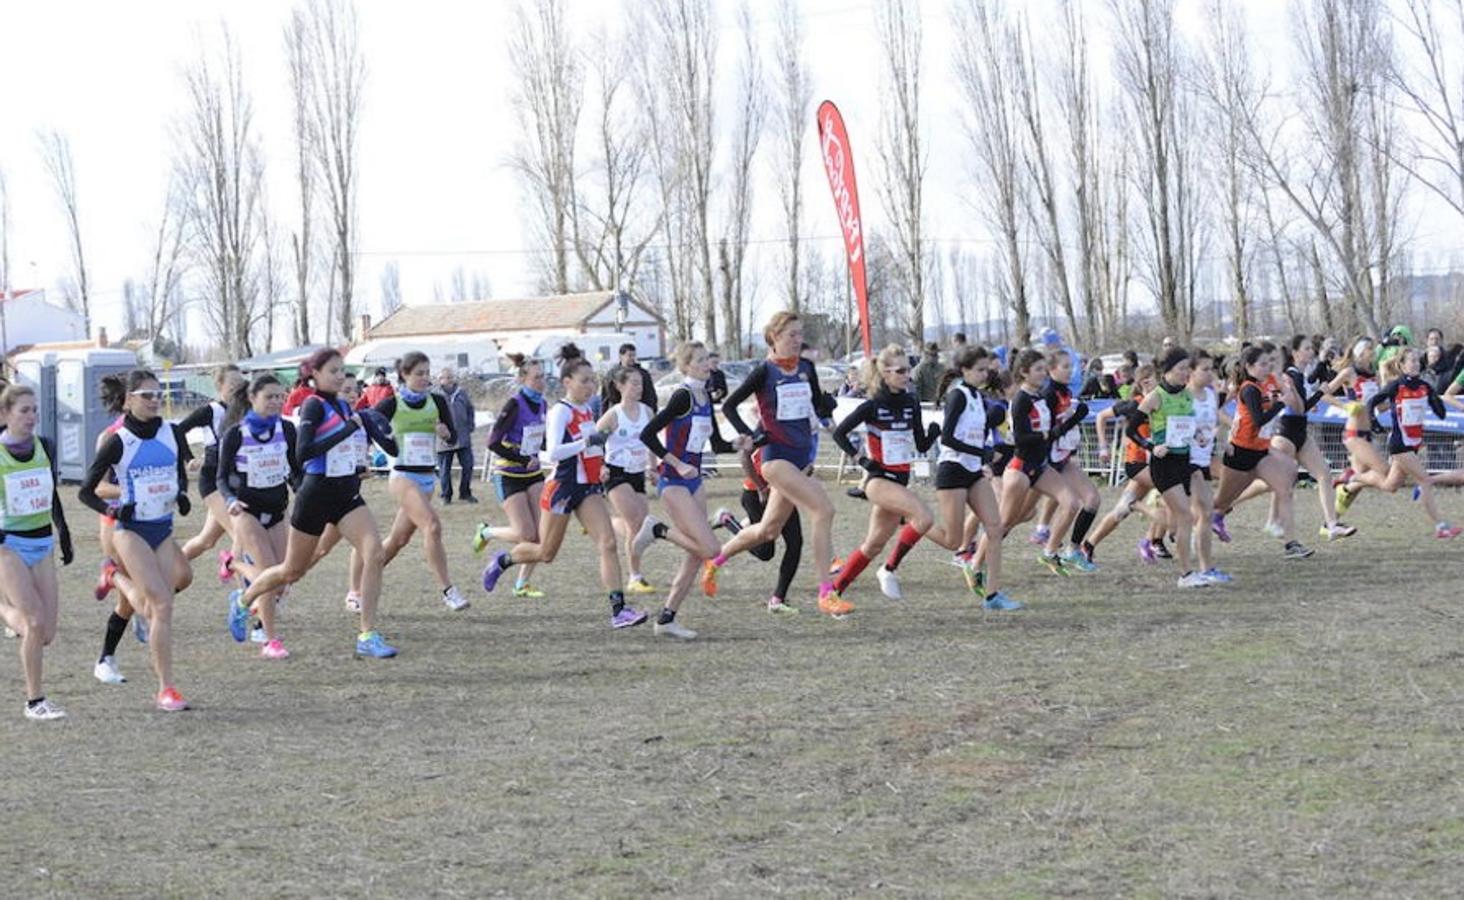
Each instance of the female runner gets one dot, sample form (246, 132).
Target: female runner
(150, 459)
(330, 447)
(210, 417)
(625, 464)
(578, 451)
(257, 465)
(29, 506)
(1137, 482)
(515, 440)
(788, 397)
(1170, 414)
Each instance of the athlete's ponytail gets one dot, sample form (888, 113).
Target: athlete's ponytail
(113, 394)
(243, 396)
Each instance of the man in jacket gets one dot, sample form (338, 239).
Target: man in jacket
(461, 407)
(927, 374)
(611, 396)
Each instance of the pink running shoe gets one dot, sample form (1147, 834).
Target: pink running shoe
(274, 650)
(1447, 532)
(104, 580)
(169, 700)
(226, 566)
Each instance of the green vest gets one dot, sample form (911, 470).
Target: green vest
(26, 489)
(1177, 406)
(416, 433)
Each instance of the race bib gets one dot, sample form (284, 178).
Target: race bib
(970, 434)
(899, 447)
(533, 440)
(582, 432)
(344, 458)
(28, 492)
(419, 448)
(795, 401)
(701, 432)
(1413, 412)
(1179, 432)
(153, 492)
(1368, 389)
(266, 466)
(632, 459)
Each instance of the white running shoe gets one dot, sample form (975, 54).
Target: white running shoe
(11, 632)
(889, 583)
(106, 671)
(257, 636)
(353, 601)
(674, 629)
(1194, 580)
(1275, 530)
(646, 536)
(454, 600)
(44, 711)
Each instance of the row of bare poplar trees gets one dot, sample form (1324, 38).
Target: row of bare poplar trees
(1183, 175)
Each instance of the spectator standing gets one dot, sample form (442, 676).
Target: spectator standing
(611, 396)
(460, 407)
(378, 390)
(926, 376)
(716, 379)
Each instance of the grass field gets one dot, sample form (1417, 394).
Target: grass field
(1299, 732)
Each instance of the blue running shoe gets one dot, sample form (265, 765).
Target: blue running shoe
(139, 627)
(1417, 492)
(1074, 559)
(494, 571)
(238, 617)
(372, 644)
(999, 602)
(1215, 576)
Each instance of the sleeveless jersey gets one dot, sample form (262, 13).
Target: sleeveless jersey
(970, 428)
(26, 489)
(623, 447)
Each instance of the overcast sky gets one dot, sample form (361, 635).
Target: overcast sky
(434, 191)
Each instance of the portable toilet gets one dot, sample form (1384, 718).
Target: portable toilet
(80, 416)
(37, 370)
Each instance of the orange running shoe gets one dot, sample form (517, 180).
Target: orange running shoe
(169, 700)
(834, 605)
(709, 579)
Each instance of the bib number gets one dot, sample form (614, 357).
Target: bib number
(899, 447)
(344, 458)
(28, 493)
(795, 401)
(701, 431)
(266, 466)
(533, 440)
(153, 493)
(1413, 412)
(419, 448)
(631, 459)
(1179, 432)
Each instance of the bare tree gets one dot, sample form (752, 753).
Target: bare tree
(1431, 80)
(1078, 109)
(272, 280)
(547, 101)
(302, 246)
(732, 248)
(793, 103)
(56, 157)
(391, 288)
(166, 270)
(902, 157)
(220, 173)
(1276, 243)
(982, 64)
(335, 72)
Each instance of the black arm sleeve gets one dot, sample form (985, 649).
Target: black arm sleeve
(108, 456)
(184, 454)
(378, 431)
(1250, 395)
(1133, 422)
(386, 406)
(648, 390)
(1023, 437)
(924, 439)
(1435, 403)
(996, 415)
(859, 416)
(1073, 421)
(1385, 395)
(823, 403)
(747, 388)
(312, 412)
(202, 417)
(444, 415)
(719, 443)
(506, 417)
(679, 405)
(58, 515)
(296, 472)
(228, 475)
(955, 404)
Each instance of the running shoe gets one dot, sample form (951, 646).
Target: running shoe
(1075, 560)
(454, 600)
(960, 560)
(494, 571)
(104, 579)
(140, 628)
(639, 586)
(1417, 493)
(528, 592)
(975, 580)
(275, 649)
(257, 635)
(238, 617)
(1274, 529)
(1337, 531)
(1215, 576)
(1040, 535)
(836, 567)
(628, 617)
(709, 579)
(831, 604)
(999, 602)
(1147, 556)
(1161, 550)
(1089, 551)
(1054, 563)
(889, 583)
(1446, 532)
(1296, 550)
(372, 644)
(646, 536)
(1344, 497)
(1217, 525)
(353, 601)
(481, 537)
(106, 671)
(777, 607)
(169, 700)
(226, 566)
(11, 633)
(44, 711)
(723, 518)
(673, 629)
(1194, 580)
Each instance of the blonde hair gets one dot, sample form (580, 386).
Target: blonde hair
(685, 352)
(777, 323)
(1391, 369)
(890, 355)
(12, 393)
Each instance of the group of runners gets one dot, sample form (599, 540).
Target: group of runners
(1008, 450)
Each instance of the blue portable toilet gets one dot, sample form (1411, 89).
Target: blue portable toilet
(37, 370)
(80, 416)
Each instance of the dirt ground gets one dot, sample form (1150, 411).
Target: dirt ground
(1298, 732)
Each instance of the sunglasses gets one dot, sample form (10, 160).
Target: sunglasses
(902, 370)
(147, 395)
